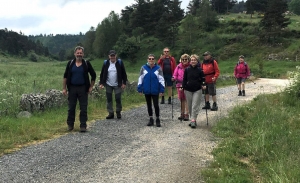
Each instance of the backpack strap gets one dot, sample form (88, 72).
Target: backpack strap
(83, 60)
(119, 60)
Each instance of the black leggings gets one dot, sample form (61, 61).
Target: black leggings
(155, 103)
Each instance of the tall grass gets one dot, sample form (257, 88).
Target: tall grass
(260, 142)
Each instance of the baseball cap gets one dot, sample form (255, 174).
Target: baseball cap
(112, 52)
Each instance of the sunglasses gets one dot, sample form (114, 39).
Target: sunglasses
(150, 58)
(184, 59)
(166, 51)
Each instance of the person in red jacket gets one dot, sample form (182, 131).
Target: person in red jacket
(168, 65)
(241, 73)
(211, 71)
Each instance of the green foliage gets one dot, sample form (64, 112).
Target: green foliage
(274, 21)
(260, 141)
(294, 6)
(33, 57)
(127, 48)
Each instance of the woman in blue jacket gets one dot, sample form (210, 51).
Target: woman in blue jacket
(151, 83)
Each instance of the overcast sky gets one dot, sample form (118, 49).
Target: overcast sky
(34, 17)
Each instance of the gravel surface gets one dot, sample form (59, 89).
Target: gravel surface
(127, 150)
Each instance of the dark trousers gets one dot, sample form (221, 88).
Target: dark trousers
(109, 97)
(77, 93)
(155, 104)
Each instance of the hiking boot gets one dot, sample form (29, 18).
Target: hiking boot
(70, 126)
(243, 92)
(214, 107)
(207, 106)
(158, 122)
(186, 117)
(193, 124)
(169, 100)
(181, 117)
(240, 93)
(151, 122)
(119, 115)
(162, 100)
(110, 116)
(82, 129)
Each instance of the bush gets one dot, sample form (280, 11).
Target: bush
(33, 57)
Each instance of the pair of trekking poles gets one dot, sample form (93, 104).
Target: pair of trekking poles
(204, 91)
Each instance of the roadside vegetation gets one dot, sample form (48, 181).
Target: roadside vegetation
(259, 142)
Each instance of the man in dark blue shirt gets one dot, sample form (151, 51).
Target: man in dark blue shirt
(77, 85)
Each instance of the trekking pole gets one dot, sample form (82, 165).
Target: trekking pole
(236, 83)
(252, 81)
(172, 99)
(181, 103)
(206, 107)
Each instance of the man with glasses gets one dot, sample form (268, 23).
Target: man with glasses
(168, 65)
(76, 81)
(113, 76)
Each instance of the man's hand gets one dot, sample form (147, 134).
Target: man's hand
(101, 86)
(123, 86)
(64, 91)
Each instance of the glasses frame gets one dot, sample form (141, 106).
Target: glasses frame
(151, 58)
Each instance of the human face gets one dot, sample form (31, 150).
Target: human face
(151, 60)
(79, 54)
(194, 61)
(166, 52)
(207, 57)
(112, 58)
(185, 61)
(241, 59)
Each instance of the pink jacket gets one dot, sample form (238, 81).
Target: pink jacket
(178, 74)
(242, 70)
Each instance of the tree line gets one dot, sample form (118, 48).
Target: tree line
(152, 24)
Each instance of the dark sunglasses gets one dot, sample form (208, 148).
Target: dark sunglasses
(166, 51)
(150, 58)
(112, 55)
(184, 59)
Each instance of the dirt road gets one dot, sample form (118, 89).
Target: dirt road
(127, 150)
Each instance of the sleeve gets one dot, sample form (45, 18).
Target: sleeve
(141, 81)
(91, 71)
(184, 81)
(248, 71)
(161, 81)
(175, 74)
(202, 77)
(173, 65)
(101, 82)
(217, 70)
(124, 74)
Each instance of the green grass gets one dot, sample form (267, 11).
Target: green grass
(260, 142)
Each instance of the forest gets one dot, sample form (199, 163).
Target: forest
(151, 25)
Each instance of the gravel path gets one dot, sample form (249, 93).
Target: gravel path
(127, 150)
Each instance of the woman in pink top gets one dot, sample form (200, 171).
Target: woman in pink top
(178, 77)
(241, 73)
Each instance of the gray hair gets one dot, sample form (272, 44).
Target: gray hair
(151, 55)
(78, 48)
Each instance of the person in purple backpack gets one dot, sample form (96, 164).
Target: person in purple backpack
(241, 73)
(178, 78)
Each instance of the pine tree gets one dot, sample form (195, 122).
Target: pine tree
(274, 21)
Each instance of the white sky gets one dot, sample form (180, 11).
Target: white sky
(34, 17)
